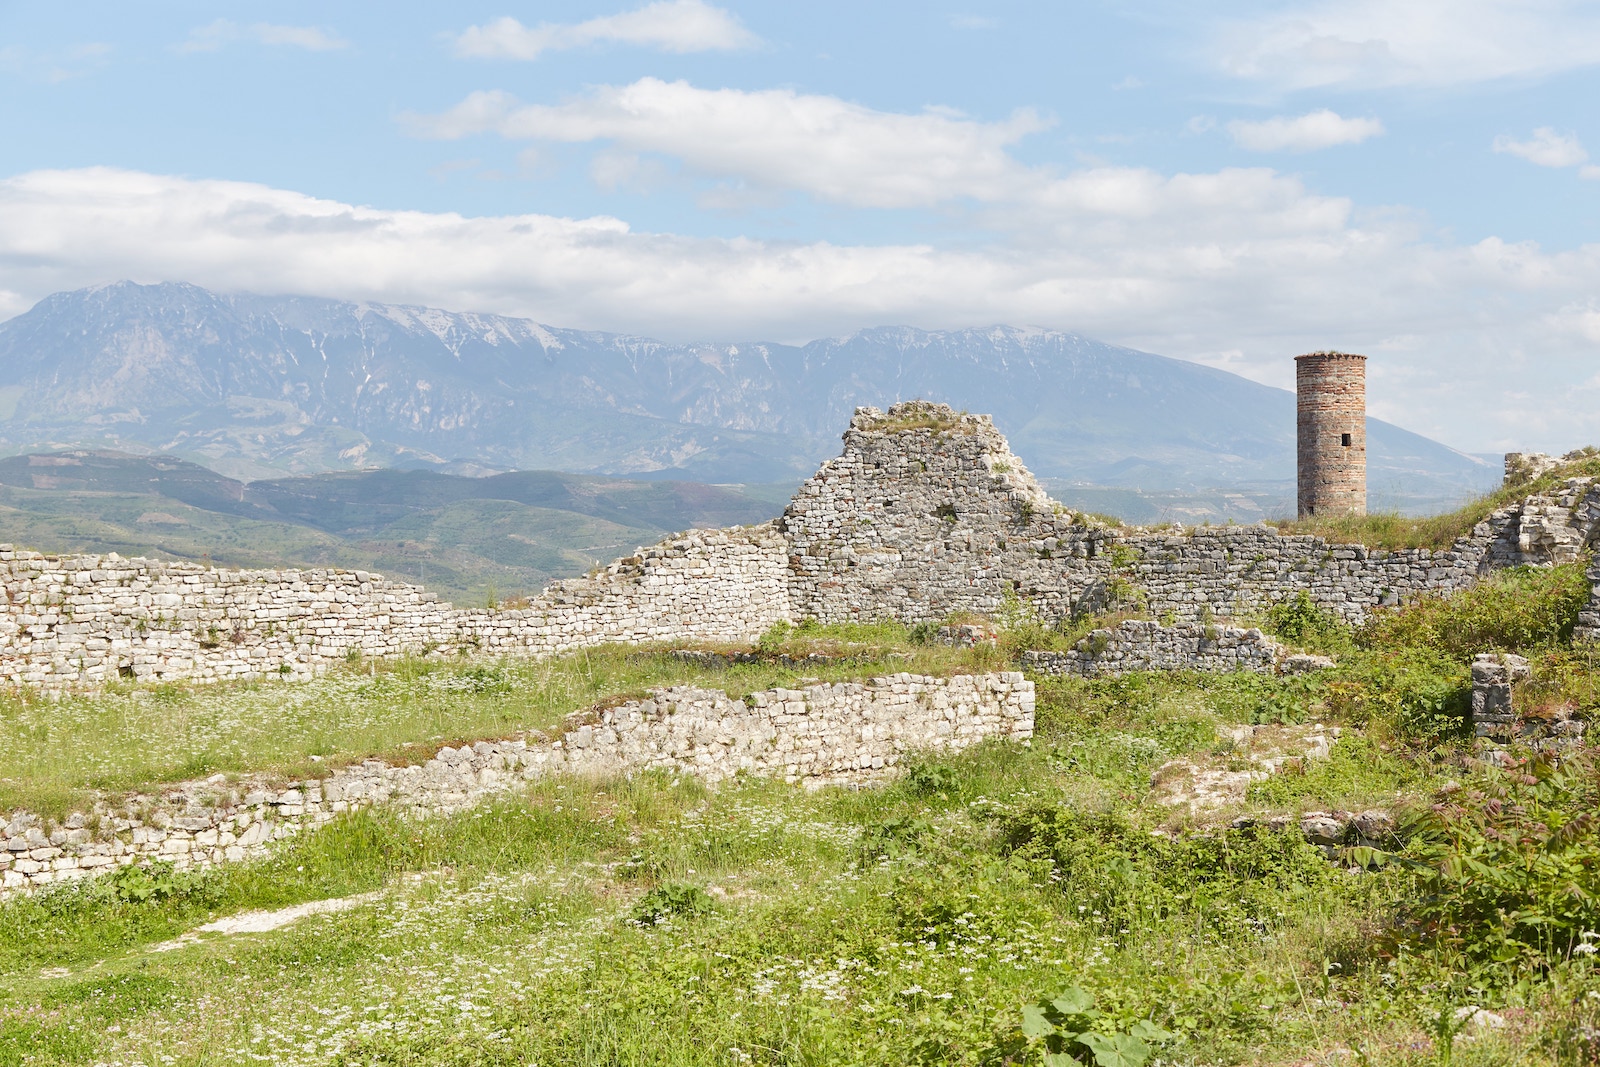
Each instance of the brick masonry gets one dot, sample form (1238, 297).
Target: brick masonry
(1331, 433)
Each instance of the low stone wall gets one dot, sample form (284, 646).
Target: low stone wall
(1139, 645)
(846, 731)
(1588, 628)
(85, 620)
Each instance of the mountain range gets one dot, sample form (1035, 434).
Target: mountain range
(256, 387)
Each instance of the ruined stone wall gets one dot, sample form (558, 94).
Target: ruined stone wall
(846, 731)
(925, 514)
(84, 620)
(1141, 645)
(1243, 570)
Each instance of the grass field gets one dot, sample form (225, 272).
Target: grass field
(1008, 905)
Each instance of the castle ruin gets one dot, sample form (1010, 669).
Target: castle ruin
(925, 515)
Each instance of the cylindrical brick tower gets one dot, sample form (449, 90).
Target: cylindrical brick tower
(1331, 407)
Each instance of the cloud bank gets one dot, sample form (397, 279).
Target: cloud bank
(772, 138)
(1241, 268)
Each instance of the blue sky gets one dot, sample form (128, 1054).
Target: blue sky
(1233, 186)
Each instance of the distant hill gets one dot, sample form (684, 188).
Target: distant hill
(465, 538)
(261, 386)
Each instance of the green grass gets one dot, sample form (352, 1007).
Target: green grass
(507, 935)
(922, 415)
(1392, 530)
(907, 923)
(131, 738)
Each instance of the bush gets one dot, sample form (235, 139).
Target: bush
(1122, 876)
(1300, 621)
(1417, 695)
(1509, 873)
(671, 901)
(1067, 1029)
(1517, 610)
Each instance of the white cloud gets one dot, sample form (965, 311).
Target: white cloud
(1589, 173)
(774, 138)
(215, 35)
(311, 38)
(210, 37)
(670, 25)
(1375, 43)
(1546, 148)
(1245, 262)
(973, 22)
(1306, 133)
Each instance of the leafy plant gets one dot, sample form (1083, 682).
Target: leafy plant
(772, 642)
(1510, 872)
(671, 901)
(1514, 610)
(894, 837)
(1300, 621)
(1061, 1028)
(926, 778)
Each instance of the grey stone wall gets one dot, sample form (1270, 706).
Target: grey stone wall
(917, 523)
(1139, 645)
(847, 731)
(84, 620)
(926, 513)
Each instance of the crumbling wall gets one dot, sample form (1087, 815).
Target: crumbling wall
(86, 620)
(925, 514)
(846, 731)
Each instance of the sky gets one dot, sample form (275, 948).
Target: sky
(1419, 182)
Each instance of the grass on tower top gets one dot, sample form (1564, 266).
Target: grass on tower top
(924, 415)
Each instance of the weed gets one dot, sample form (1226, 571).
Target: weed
(671, 901)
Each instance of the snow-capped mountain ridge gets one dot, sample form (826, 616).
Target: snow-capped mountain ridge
(259, 384)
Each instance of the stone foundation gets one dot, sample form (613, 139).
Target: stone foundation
(1137, 645)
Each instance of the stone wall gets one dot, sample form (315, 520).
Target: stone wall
(925, 514)
(1139, 645)
(847, 731)
(76, 620)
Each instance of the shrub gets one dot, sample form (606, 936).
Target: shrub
(1509, 873)
(671, 901)
(1123, 876)
(1068, 1030)
(1300, 621)
(1515, 610)
(1418, 695)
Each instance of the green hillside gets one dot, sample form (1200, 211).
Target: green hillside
(468, 539)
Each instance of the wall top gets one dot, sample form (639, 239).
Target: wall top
(1322, 356)
(920, 415)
